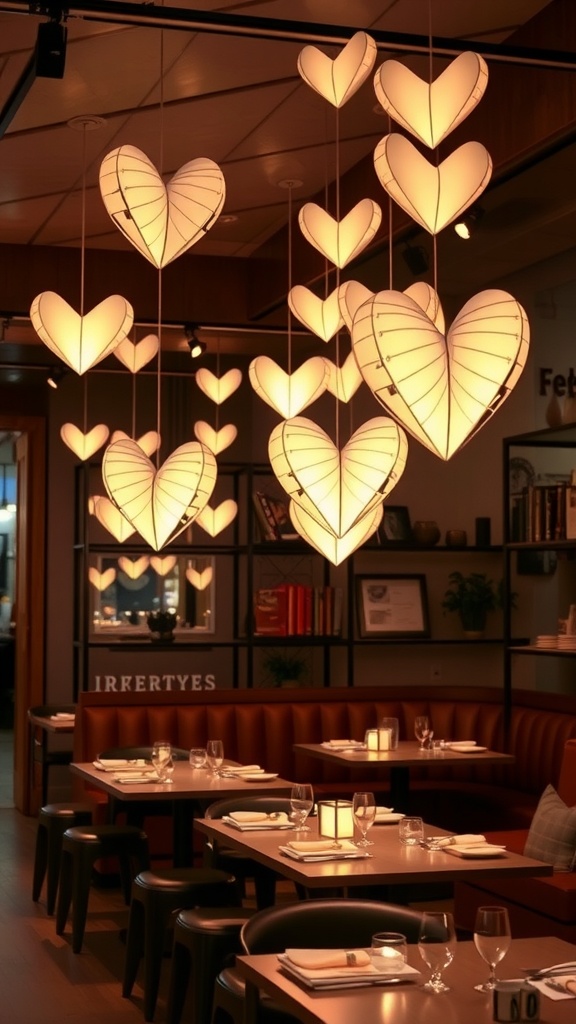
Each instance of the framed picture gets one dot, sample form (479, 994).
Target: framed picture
(392, 606)
(395, 527)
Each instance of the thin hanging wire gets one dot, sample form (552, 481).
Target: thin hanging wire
(133, 375)
(161, 169)
(217, 416)
(290, 185)
(83, 269)
(430, 77)
(390, 231)
(337, 355)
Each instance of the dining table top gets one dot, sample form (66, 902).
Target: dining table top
(408, 1002)
(388, 863)
(407, 754)
(187, 784)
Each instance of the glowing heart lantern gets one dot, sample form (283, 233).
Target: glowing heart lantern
(441, 388)
(214, 520)
(135, 356)
(161, 221)
(337, 80)
(218, 389)
(84, 445)
(81, 341)
(159, 503)
(340, 240)
(288, 393)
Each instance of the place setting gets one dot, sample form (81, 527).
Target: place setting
(385, 963)
(466, 845)
(337, 820)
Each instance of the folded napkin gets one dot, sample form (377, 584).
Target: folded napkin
(568, 982)
(240, 769)
(121, 764)
(556, 987)
(63, 716)
(259, 817)
(464, 840)
(136, 778)
(319, 959)
(322, 846)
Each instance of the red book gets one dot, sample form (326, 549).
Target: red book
(270, 612)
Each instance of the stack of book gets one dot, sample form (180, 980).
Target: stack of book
(294, 609)
(544, 512)
(273, 517)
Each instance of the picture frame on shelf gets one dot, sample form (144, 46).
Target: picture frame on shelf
(396, 527)
(392, 606)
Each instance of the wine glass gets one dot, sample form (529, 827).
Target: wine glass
(364, 810)
(437, 945)
(162, 760)
(492, 939)
(215, 755)
(301, 803)
(422, 730)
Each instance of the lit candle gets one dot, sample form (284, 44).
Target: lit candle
(336, 819)
(371, 739)
(384, 739)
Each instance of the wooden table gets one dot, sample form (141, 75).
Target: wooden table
(399, 761)
(408, 1003)
(41, 727)
(390, 863)
(189, 786)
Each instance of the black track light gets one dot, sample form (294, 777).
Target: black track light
(466, 225)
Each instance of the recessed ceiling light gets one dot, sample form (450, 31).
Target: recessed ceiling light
(86, 123)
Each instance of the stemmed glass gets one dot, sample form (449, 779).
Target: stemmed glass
(492, 939)
(301, 803)
(422, 730)
(215, 755)
(437, 945)
(162, 760)
(364, 810)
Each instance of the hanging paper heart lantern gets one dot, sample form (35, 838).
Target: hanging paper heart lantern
(429, 301)
(351, 295)
(135, 356)
(84, 445)
(134, 569)
(218, 388)
(162, 566)
(161, 221)
(81, 341)
(214, 520)
(340, 241)
(337, 488)
(321, 316)
(287, 393)
(335, 549)
(337, 80)
(216, 440)
(442, 389)
(431, 112)
(149, 442)
(101, 580)
(200, 580)
(92, 501)
(112, 520)
(159, 503)
(432, 196)
(344, 381)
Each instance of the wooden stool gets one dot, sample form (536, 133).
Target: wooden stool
(203, 940)
(156, 896)
(53, 820)
(81, 847)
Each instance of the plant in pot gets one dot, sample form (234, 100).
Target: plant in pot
(285, 669)
(472, 596)
(161, 625)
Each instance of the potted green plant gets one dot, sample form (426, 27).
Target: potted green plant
(285, 669)
(472, 596)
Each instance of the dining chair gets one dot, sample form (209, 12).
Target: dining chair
(315, 924)
(218, 855)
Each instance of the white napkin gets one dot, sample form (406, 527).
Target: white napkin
(322, 846)
(259, 818)
(562, 981)
(320, 959)
(463, 840)
(344, 744)
(63, 716)
(121, 764)
(240, 769)
(339, 977)
(136, 777)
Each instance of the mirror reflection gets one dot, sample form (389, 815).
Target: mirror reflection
(125, 590)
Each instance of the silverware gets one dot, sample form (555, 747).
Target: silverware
(547, 972)
(557, 987)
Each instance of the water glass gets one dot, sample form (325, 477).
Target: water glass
(492, 938)
(364, 810)
(423, 731)
(197, 757)
(215, 755)
(411, 831)
(301, 803)
(389, 952)
(437, 946)
(162, 760)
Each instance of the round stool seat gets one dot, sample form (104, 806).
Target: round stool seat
(53, 820)
(67, 810)
(114, 834)
(173, 880)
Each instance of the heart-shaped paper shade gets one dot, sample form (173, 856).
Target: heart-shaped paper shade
(431, 112)
(321, 316)
(335, 549)
(84, 445)
(214, 520)
(161, 221)
(92, 501)
(81, 341)
(441, 389)
(162, 566)
(112, 520)
(134, 357)
(101, 580)
(432, 196)
(133, 568)
(149, 442)
(159, 503)
(337, 80)
(428, 300)
(218, 388)
(337, 488)
(344, 381)
(340, 241)
(200, 580)
(287, 393)
(351, 295)
(216, 440)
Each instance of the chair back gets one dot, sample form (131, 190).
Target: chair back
(321, 924)
(266, 804)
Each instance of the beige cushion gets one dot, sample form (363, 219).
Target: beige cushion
(552, 835)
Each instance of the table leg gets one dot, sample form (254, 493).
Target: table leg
(400, 787)
(182, 833)
(251, 1003)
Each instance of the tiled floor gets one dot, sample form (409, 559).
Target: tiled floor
(6, 768)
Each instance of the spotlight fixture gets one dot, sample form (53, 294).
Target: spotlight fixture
(416, 259)
(465, 226)
(197, 347)
(55, 377)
